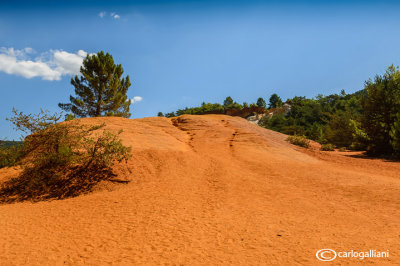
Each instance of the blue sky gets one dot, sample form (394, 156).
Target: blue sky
(181, 53)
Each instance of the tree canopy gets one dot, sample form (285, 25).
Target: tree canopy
(275, 101)
(368, 119)
(381, 114)
(100, 89)
(228, 101)
(261, 103)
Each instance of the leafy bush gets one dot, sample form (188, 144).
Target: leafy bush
(299, 141)
(276, 122)
(11, 155)
(8, 143)
(339, 130)
(325, 119)
(360, 138)
(292, 130)
(171, 114)
(342, 149)
(205, 108)
(327, 147)
(66, 159)
(380, 120)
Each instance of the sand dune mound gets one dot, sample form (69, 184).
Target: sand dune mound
(213, 190)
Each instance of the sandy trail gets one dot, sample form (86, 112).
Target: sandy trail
(213, 190)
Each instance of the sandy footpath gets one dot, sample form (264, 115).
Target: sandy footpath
(213, 190)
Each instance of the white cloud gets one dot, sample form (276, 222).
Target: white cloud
(51, 65)
(112, 14)
(29, 50)
(136, 99)
(11, 52)
(68, 64)
(115, 15)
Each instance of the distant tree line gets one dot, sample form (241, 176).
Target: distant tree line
(365, 120)
(368, 119)
(331, 119)
(228, 104)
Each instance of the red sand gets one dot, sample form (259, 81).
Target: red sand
(213, 190)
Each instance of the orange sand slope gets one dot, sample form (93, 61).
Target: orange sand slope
(213, 190)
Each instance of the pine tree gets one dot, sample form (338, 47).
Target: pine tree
(395, 135)
(381, 106)
(228, 101)
(275, 101)
(261, 103)
(100, 90)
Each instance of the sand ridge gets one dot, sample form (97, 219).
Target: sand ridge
(213, 190)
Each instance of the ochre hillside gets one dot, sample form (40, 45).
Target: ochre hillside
(212, 190)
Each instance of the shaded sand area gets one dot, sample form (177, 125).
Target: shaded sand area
(213, 190)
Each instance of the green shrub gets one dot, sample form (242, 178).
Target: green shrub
(11, 155)
(381, 119)
(360, 138)
(339, 130)
(299, 141)
(292, 130)
(276, 122)
(342, 149)
(395, 136)
(66, 159)
(327, 147)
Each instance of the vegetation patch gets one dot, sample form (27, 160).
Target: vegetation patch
(299, 141)
(327, 147)
(64, 159)
(11, 154)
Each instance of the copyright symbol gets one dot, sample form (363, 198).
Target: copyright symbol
(326, 254)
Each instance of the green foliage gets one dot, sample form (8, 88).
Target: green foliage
(316, 132)
(100, 89)
(104, 150)
(8, 143)
(339, 130)
(327, 147)
(261, 103)
(210, 108)
(205, 108)
(364, 120)
(172, 114)
(11, 155)
(69, 117)
(235, 105)
(395, 135)
(380, 117)
(228, 101)
(368, 119)
(229, 107)
(276, 122)
(299, 141)
(160, 114)
(292, 130)
(360, 138)
(323, 119)
(275, 101)
(65, 159)
(32, 123)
